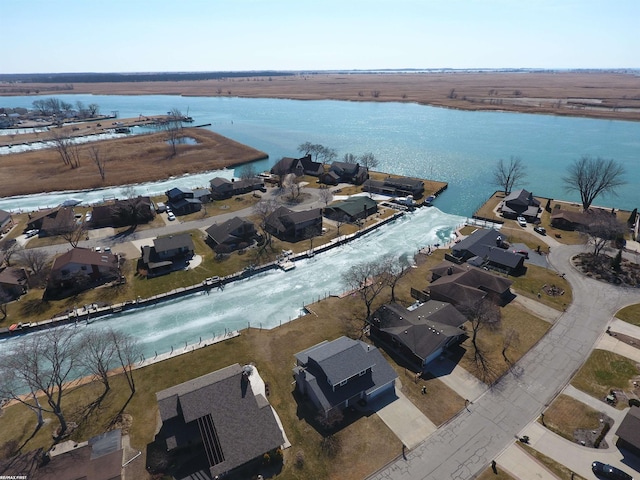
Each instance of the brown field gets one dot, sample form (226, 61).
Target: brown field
(595, 94)
(134, 159)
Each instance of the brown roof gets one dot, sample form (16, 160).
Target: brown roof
(13, 276)
(84, 256)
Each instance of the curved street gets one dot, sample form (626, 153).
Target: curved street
(467, 444)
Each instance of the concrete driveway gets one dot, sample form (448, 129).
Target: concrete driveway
(404, 419)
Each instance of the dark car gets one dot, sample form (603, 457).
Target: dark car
(540, 230)
(524, 253)
(602, 470)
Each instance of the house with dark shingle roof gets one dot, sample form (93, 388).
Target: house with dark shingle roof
(467, 285)
(349, 172)
(571, 220)
(81, 268)
(120, 213)
(351, 209)
(291, 225)
(521, 203)
(232, 233)
(182, 201)
(225, 413)
(484, 248)
(336, 374)
(13, 281)
(629, 431)
(395, 186)
(421, 334)
(167, 253)
(222, 188)
(52, 221)
(6, 221)
(298, 166)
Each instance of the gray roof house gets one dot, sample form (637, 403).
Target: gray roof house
(421, 334)
(298, 166)
(484, 248)
(336, 374)
(629, 431)
(6, 221)
(225, 412)
(167, 253)
(233, 232)
(292, 225)
(395, 186)
(222, 188)
(520, 203)
(353, 208)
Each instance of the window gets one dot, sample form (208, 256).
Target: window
(344, 382)
(363, 373)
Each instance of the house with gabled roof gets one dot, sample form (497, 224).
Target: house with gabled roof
(81, 268)
(467, 285)
(225, 414)
(14, 281)
(353, 208)
(349, 172)
(298, 166)
(168, 253)
(629, 431)
(486, 248)
(51, 221)
(182, 201)
(395, 186)
(232, 233)
(421, 334)
(339, 373)
(222, 188)
(521, 203)
(120, 213)
(291, 225)
(6, 221)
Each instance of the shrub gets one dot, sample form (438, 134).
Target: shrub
(299, 462)
(634, 402)
(605, 429)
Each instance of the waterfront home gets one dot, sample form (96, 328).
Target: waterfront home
(234, 233)
(223, 416)
(347, 173)
(486, 248)
(121, 213)
(182, 201)
(14, 282)
(168, 253)
(81, 268)
(467, 285)
(290, 225)
(222, 188)
(298, 167)
(6, 221)
(339, 373)
(421, 334)
(395, 187)
(628, 432)
(51, 221)
(572, 220)
(521, 203)
(352, 209)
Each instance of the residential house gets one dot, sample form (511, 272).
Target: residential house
(167, 254)
(521, 203)
(347, 173)
(233, 233)
(292, 226)
(352, 209)
(52, 221)
(6, 221)
(202, 194)
(568, 220)
(222, 188)
(421, 334)
(225, 413)
(14, 282)
(486, 248)
(467, 285)
(339, 373)
(298, 166)
(395, 187)
(125, 212)
(182, 201)
(629, 431)
(81, 268)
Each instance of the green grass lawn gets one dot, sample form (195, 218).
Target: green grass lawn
(630, 314)
(604, 371)
(565, 415)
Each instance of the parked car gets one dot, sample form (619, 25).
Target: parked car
(522, 221)
(98, 250)
(540, 230)
(87, 217)
(171, 216)
(31, 233)
(603, 470)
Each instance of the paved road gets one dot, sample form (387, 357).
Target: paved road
(468, 444)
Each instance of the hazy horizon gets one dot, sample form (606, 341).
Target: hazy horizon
(286, 35)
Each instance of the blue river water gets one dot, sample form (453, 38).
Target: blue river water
(457, 147)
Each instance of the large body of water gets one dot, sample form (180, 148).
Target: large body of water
(457, 147)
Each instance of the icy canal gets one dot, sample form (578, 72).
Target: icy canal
(269, 299)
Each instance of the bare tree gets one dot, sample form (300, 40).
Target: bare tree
(173, 128)
(350, 158)
(8, 249)
(506, 175)
(264, 209)
(127, 352)
(133, 209)
(394, 270)
(591, 177)
(94, 109)
(325, 195)
(5, 298)
(511, 338)
(42, 363)
(368, 161)
(483, 314)
(37, 261)
(97, 355)
(318, 152)
(98, 159)
(247, 172)
(368, 279)
(281, 172)
(72, 233)
(601, 229)
(66, 148)
(292, 183)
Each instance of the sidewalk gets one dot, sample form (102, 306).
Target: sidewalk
(457, 378)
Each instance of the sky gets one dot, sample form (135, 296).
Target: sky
(51, 36)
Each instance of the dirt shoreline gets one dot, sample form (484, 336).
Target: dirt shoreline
(593, 94)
